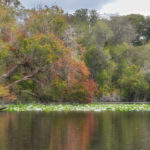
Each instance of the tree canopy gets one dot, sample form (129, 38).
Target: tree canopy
(49, 56)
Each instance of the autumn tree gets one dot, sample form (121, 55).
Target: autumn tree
(42, 62)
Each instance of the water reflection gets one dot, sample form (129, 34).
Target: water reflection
(75, 131)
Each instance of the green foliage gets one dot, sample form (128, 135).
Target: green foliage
(101, 33)
(58, 90)
(120, 67)
(132, 84)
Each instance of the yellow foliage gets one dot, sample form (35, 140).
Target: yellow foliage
(4, 93)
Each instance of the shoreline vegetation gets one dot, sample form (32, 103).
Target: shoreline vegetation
(47, 55)
(94, 107)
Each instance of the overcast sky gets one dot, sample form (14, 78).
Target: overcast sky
(103, 6)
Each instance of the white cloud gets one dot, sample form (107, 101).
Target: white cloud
(124, 7)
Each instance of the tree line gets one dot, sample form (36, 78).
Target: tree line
(48, 55)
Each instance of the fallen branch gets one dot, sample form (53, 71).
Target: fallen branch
(14, 69)
(11, 72)
(24, 78)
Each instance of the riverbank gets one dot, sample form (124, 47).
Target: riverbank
(96, 107)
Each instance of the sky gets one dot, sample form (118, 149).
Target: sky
(124, 7)
(121, 7)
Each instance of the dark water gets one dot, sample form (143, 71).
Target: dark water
(75, 131)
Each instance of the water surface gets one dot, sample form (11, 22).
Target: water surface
(75, 131)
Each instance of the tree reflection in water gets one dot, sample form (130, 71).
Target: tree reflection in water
(75, 131)
(46, 131)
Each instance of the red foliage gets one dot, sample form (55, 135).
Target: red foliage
(80, 87)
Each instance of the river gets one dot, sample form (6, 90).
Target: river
(75, 131)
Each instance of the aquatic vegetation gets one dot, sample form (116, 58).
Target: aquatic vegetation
(95, 107)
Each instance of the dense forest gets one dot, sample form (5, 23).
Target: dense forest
(47, 55)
